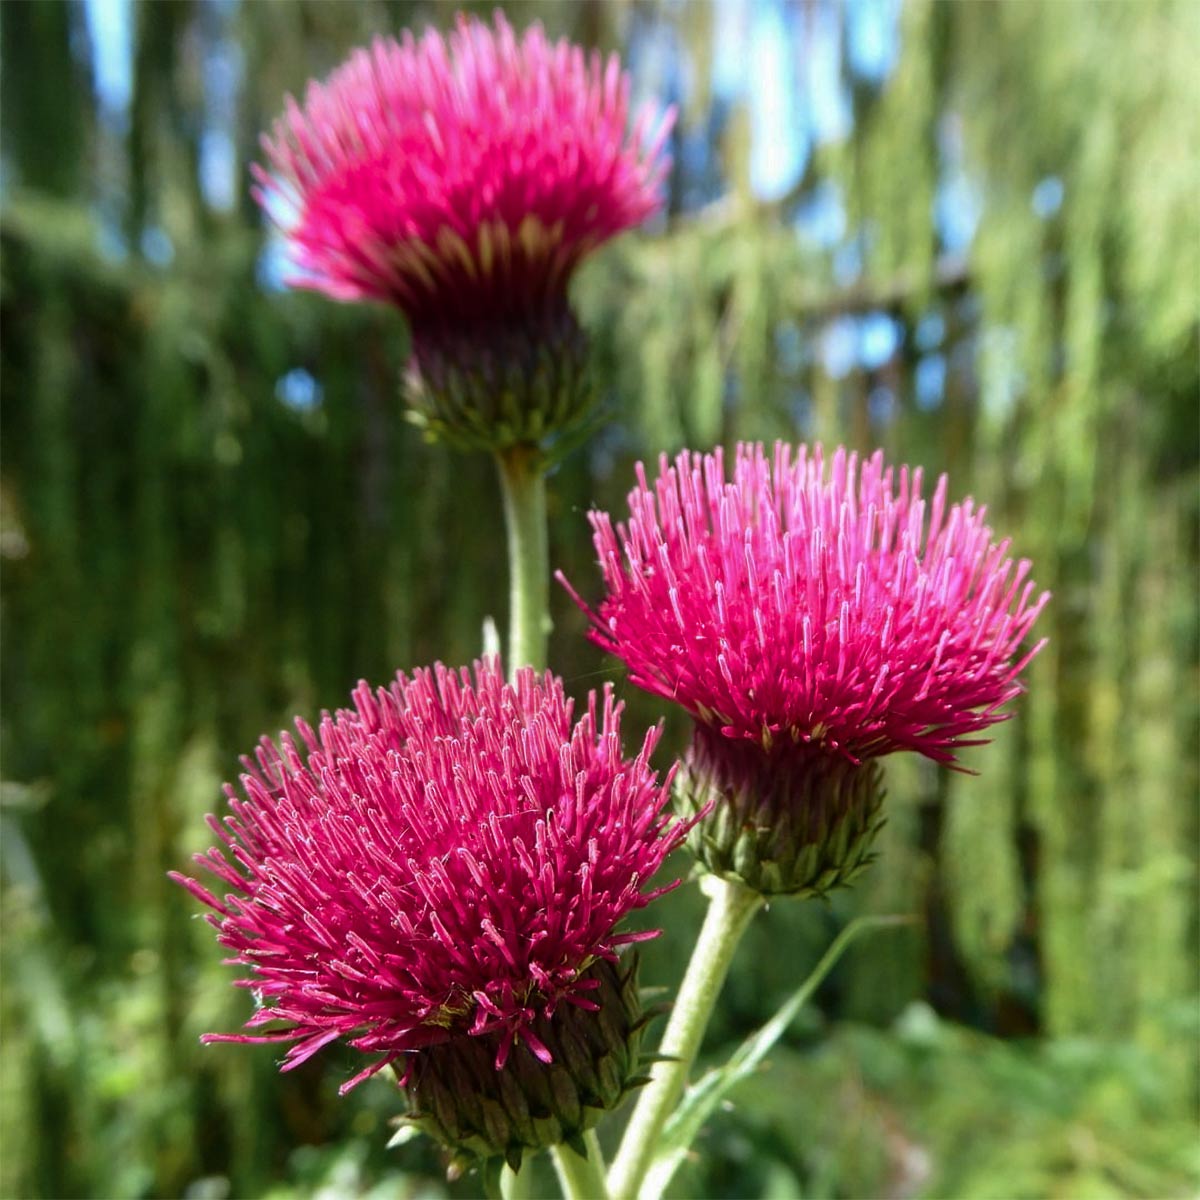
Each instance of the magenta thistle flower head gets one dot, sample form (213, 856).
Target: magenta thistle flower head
(812, 616)
(437, 876)
(463, 179)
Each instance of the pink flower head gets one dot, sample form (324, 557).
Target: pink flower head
(815, 604)
(447, 858)
(464, 177)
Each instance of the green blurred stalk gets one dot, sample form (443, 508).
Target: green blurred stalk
(523, 487)
(517, 1185)
(581, 1178)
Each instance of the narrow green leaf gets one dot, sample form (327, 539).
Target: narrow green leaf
(702, 1098)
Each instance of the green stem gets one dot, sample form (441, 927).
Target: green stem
(517, 1185)
(581, 1178)
(523, 487)
(731, 907)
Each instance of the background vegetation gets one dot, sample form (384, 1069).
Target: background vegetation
(966, 233)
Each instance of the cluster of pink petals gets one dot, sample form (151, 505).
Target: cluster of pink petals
(825, 603)
(446, 858)
(460, 177)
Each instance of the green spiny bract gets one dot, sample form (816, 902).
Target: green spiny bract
(456, 1095)
(789, 820)
(524, 384)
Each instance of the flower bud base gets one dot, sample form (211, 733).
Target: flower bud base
(523, 384)
(457, 1096)
(791, 820)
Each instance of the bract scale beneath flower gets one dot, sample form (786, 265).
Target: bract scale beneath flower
(793, 821)
(456, 1095)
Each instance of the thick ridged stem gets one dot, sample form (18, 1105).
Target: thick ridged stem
(730, 910)
(581, 1178)
(523, 487)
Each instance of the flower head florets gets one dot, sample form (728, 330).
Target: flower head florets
(461, 177)
(447, 859)
(822, 603)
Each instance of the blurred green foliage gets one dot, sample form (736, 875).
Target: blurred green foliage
(193, 550)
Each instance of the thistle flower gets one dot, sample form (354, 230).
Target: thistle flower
(435, 876)
(463, 179)
(811, 617)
